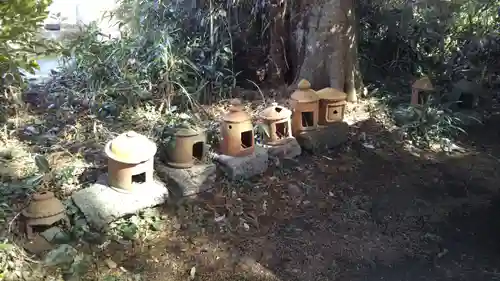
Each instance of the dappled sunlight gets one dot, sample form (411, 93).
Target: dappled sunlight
(391, 196)
(16, 161)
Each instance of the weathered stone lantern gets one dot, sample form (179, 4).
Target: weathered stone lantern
(332, 104)
(305, 106)
(130, 160)
(277, 119)
(420, 90)
(44, 210)
(237, 132)
(186, 145)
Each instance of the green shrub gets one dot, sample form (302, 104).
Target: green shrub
(20, 22)
(428, 123)
(164, 54)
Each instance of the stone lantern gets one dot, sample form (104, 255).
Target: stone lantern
(130, 160)
(237, 132)
(44, 209)
(332, 104)
(305, 106)
(187, 144)
(420, 90)
(277, 119)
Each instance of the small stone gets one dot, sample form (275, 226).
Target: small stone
(189, 181)
(37, 245)
(55, 235)
(110, 263)
(30, 130)
(63, 254)
(53, 26)
(324, 138)
(294, 190)
(288, 150)
(245, 167)
(102, 205)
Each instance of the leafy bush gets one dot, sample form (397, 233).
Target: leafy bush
(427, 37)
(164, 53)
(19, 26)
(428, 123)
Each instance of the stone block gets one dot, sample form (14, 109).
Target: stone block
(189, 181)
(324, 137)
(102, 204)
(237, 168)
(288, 150)
(55, 235)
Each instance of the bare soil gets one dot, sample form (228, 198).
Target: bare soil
(358, 213)
(368, 210)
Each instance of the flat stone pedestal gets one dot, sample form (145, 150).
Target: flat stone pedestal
(244, 167)
(324, 137)
(288, 150)
(190, 181)
(102, 204)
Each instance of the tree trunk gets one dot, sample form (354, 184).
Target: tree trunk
(278, 66)
(325, 41)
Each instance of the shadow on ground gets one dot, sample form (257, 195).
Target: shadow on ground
(361, 212)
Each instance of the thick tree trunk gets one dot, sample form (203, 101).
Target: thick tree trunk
(325, 39)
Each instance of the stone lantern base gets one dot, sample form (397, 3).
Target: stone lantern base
(244, 167)
(286, 150)
(323, 138)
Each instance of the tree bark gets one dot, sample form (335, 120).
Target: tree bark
(325, 41)
(278, 66)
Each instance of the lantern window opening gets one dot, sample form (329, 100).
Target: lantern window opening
(278, 109)
(39, 228)
(246, 139)
(307, 119)
(333, 112)
(282, 129)
(198, 149)
(139, 178)
(466, 101)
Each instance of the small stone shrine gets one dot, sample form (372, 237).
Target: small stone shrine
(239, 156)
(332, 104)
(326, 129)
(188, 167)
(278, 138)
(305, 106)
(237, 132)
(420, 90)
(130, 160)
(187, 145)
(129, 185)
(45, 210)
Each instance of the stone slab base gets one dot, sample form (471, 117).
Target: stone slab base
(190, 181)
(324, 138)
(288, 150)
(102, 205)
(237, 168)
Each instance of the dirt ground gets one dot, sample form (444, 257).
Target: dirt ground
(360, 212)
(369, 210)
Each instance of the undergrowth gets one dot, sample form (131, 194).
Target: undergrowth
(455, 43)
(161, 57)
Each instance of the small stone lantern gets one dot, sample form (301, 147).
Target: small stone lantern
(130, 160)
(420, 89)
(305, 106)
(237, 132)
(186, 146)
(277, 119)
(332, 104)
(44, 210)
